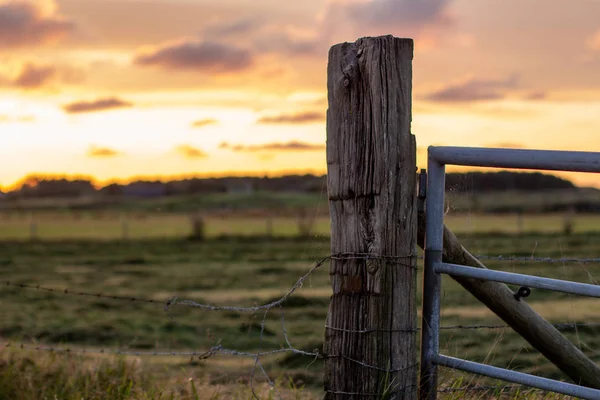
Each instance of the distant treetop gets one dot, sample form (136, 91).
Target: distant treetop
(469, 182)
(505, 180)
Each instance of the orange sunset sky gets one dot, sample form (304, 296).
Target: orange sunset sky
(116, 89)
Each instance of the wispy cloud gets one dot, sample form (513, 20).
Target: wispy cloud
(189, 151)
(102, 152)
(536, 95)
(241, 26)
(307, 117)
(204, 56)
(273, 147)
(404, 18)
(34, 76)
(102, 104)
(390, 12)
(473, 89)
(204, 122)
(277, 40)
(27, 23)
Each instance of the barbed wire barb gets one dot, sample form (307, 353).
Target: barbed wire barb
(287, 347)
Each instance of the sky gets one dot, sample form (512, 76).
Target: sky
(122, 89)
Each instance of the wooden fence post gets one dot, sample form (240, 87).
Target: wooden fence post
(370, 334)
(33, 227)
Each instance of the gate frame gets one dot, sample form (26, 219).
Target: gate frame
(438, 158)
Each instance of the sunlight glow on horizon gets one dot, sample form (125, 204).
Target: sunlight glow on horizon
(81, 83)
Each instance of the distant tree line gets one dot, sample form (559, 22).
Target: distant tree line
(480, 182)
(474, 182)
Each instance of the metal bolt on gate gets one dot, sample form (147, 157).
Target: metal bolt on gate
(438, 158)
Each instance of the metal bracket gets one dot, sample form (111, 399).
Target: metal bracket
(523, 292)
(422, 190)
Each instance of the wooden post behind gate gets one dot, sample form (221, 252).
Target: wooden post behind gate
(370, 338)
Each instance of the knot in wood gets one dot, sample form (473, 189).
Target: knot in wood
(372, 266)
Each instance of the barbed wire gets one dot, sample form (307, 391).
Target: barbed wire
(289, 348)
(534, 259)
(277, 303)
(559, 326)
(538, 259)
(190, 303)
(76, 292)
(220, 350)
(482, 388)
(215, 350)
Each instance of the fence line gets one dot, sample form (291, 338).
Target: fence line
(174, 300)
(216, 350)
(289, 348)
(71, 292)
(539, 259)
(481, 388)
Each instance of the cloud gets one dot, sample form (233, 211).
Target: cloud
(404, 18)
(198, 55)
(34, 76)
(473, 90)
(28, 23)
(307, 117)
(269, 37)
(392, 12)
(289, 146)
(204, 122)
(285, 43)
(96, 105)
(189, 151)
(594, 41)
(238, 27)
(102, 152)
(537, 95)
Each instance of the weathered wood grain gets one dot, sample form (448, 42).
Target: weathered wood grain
(371, 159)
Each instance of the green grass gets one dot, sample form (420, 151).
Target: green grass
(110, 226)
(290, 202)
(25, 375)
(241, 271)
(280, 201)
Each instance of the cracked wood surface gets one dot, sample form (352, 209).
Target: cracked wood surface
(371, 158)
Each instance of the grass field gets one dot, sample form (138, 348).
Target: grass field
(53, 225)
(289, 202)
(244, 271)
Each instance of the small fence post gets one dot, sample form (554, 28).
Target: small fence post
(269, 220)
(124, 227)
(370, 337)
(520, 223)
(33, 227)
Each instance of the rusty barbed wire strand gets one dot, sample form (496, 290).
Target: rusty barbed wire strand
(538, 259)
(316, 354)
(74, 292)
(482, 388)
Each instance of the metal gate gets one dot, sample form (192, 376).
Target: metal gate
(438, 158)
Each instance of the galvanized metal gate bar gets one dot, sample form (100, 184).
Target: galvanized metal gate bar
(438, 157)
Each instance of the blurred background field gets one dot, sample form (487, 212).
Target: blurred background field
(246, 271)
(281, 214)
(57, 226)
(246, 249)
